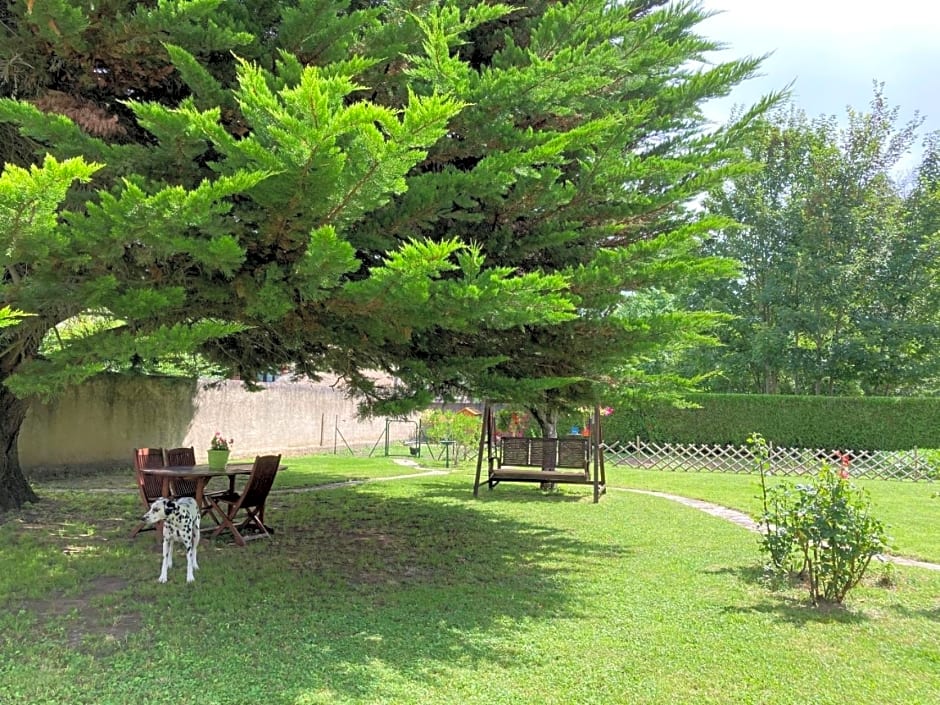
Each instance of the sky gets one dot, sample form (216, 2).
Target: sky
(832, 51)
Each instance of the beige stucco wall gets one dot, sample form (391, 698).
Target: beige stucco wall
(99, 423)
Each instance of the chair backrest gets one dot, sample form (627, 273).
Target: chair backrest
(515, 451)
(574, 453)
(150, 486)
(179, 457)
(259, 482)
(546, 453)
(543, 452)
(148, 458)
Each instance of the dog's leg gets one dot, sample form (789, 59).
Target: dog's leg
(190, 562)
(197, 536)
(167, 557)
(192, 546)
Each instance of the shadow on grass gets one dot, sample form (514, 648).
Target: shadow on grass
(782, 604)
(750, 574)
(419, 581)
(904, 611)
(517, 494)
(416, 584)
(800, 612)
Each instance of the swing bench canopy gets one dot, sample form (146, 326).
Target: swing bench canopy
(576, 460)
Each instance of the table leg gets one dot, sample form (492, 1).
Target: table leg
(203, 502)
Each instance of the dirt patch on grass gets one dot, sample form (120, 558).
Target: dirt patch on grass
(85, 627)
(76, 524)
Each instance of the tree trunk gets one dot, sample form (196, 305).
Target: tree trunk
(548, 422)
(14, 489)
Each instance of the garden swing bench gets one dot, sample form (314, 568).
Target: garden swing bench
(575, 460)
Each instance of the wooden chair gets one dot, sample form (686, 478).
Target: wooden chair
(150, 487)
(178, 457)
(249, 502)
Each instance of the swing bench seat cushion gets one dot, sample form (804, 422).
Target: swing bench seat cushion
(564, 460)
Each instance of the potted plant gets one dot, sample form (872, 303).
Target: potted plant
(219, 449)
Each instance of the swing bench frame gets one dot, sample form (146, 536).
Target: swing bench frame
(574, 460)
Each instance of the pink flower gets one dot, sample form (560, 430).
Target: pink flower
(220, 443)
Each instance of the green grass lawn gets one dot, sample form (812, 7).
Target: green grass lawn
(909, 510)
(412, 591)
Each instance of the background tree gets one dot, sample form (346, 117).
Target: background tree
(459, 195)
(837, 291)
(914, 268)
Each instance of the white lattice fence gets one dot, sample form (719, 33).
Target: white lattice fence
(678, 457)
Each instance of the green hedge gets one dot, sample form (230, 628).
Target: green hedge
(859, 423)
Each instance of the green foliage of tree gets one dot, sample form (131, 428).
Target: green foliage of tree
(454, 193)
(838, 291)
(438, 425)
(574, 155)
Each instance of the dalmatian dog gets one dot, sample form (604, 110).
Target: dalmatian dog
(180, 519)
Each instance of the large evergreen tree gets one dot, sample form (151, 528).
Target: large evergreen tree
(458, 194)
(579, 150)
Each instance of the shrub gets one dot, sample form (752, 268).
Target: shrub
(933, 460)
(860, 423)
(449, 425)
(822, 530)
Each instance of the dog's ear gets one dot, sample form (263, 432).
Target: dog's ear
(170, 506)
